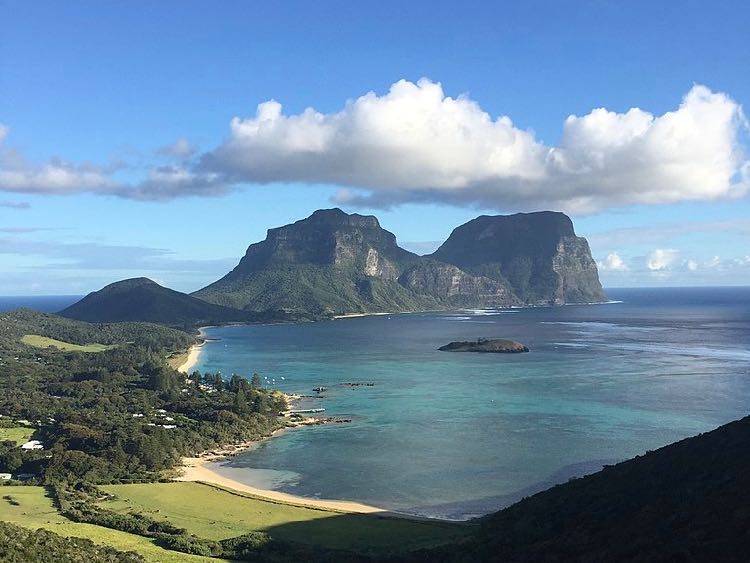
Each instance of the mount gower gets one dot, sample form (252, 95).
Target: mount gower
(334, 263)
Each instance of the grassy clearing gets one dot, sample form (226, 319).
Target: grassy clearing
(45, 342)
(215, 513)
(19, 434)
(36, 510)
(177, 359)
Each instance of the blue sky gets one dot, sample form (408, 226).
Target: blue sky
(118, 156)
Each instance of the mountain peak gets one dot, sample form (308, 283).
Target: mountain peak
(335, 217)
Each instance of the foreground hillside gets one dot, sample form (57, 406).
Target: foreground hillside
(689, 501)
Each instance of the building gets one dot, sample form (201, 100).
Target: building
(32, 445)
(5, 476)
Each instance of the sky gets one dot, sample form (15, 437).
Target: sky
(160, 139)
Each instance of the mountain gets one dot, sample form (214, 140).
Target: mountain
(689, 501)
(141, 299)
(329, 263)
(538, 255)
(334, 263)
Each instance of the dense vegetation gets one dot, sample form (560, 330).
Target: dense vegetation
(121, 414)
(20, 545)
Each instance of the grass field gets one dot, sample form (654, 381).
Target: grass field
(35, 510)
(215, 513)
(177, 359)
(45, 342)
(19, 434)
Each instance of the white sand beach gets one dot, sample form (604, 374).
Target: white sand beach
(195, 469)
(192, 358)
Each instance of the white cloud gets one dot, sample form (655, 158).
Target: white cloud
(180, 149)
(661, 259)
(415, 143)
(714, 262)
(613, 263)
(691, 265)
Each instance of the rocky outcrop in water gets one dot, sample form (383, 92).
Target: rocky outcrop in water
(485, 345)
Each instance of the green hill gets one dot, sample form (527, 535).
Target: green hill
(143, 300)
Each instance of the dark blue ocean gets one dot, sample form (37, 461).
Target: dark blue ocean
(44, 303)
(455, 435)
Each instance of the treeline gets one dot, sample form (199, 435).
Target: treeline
(20, 545)
(79, 503)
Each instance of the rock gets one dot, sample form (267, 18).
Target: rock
(494, 346)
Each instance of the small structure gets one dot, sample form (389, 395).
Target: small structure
(32, 445)
(5, 476)
(24, 476)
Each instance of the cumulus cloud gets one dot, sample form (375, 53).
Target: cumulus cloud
(417, 144)
(613, 263)
(661, 259)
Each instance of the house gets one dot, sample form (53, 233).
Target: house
(24, 476)
(32, 445)
(5, 476)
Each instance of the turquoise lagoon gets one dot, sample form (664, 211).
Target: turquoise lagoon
(456, 435)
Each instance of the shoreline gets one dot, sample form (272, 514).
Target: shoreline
(194, 352)
(195, 469)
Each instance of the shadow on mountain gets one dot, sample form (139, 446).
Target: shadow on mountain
(476, 508)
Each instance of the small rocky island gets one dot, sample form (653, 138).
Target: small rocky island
(488, 345)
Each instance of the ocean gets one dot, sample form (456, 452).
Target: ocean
(456, 435)
(43, 303)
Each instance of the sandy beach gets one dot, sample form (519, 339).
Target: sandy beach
(192, 358)
(194, 469)
(357, 315)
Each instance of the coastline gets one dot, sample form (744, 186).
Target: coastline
(195, 469)
(193, 356)
(194, 352)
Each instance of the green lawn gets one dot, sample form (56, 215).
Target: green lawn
(19, 434)
(35, 510)
(45, 342)
(215, 513)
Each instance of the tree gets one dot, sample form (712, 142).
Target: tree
(240, 403)
(255, 381)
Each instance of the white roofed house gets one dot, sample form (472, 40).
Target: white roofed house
(5, 476)
(32, 445)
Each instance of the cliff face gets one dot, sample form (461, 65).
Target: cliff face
(454, 287)
(329, 263)
(333, 263)
(537, 255)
